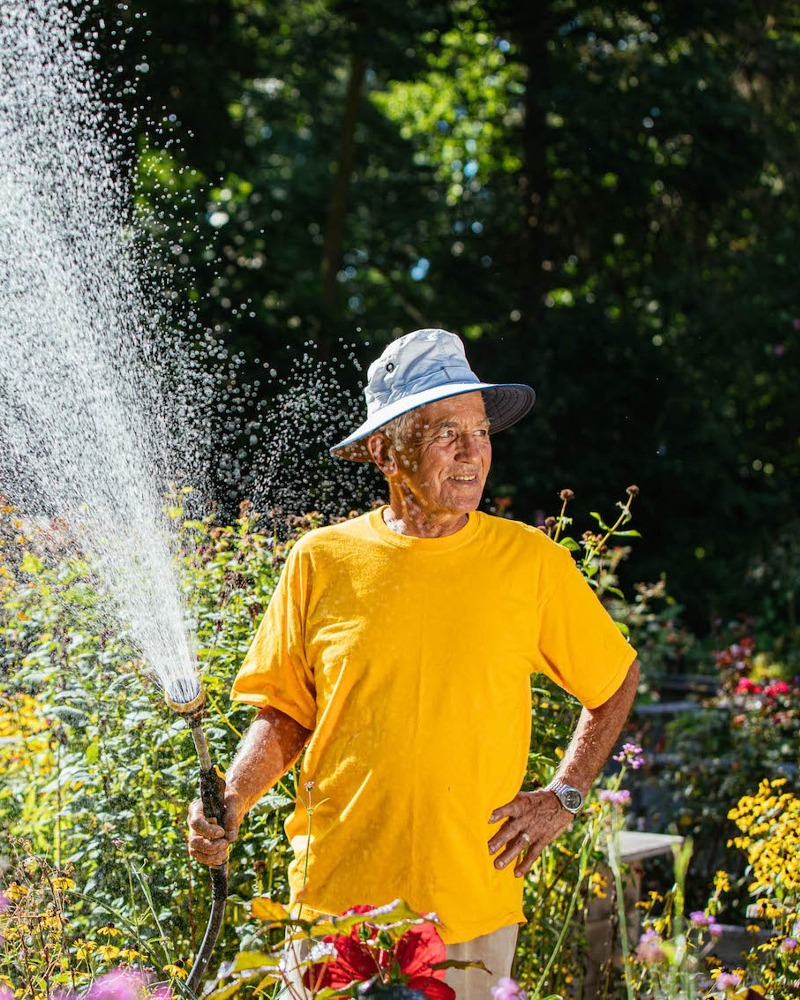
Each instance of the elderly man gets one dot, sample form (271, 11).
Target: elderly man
(398, 649)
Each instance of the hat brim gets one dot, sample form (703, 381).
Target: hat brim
(506, 403)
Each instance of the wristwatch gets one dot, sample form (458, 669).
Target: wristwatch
(570, 798)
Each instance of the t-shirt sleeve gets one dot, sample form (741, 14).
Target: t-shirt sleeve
(580, 647)
(275, 672)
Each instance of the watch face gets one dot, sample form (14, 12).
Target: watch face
(571, 798)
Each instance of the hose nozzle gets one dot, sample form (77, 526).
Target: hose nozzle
(185, 696)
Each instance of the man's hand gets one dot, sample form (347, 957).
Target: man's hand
(533, 820)
(269, 748)
(208, 841)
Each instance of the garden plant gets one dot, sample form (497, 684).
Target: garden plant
(97, 890)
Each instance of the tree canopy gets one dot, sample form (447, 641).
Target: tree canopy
(601, 198)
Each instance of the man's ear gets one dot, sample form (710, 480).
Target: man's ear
(382, 453)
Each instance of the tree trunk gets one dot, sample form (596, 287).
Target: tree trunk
(333, 245)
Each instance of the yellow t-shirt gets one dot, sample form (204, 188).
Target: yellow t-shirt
(410, 659)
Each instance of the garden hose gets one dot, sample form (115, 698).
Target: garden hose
(190, 704)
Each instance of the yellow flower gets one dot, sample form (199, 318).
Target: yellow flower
(84, 949)
(109, 930)
(722, 882)
(176, 971)
(61, 883)
(108, 952)
(598, 885)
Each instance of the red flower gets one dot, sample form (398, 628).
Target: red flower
(776, 688)
(746, 686)
(407, 962)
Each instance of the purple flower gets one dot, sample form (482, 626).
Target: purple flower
(121, 984)
(5, 992)
(715, 929)
(4, 903)
(508, 989)
(649, 949)
(631, 754)
(700, 919)
(788, 944)
(727, 981)
(620, 798)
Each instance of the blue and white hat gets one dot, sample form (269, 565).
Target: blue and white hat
(423, 367)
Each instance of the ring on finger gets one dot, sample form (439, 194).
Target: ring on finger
(526, 837)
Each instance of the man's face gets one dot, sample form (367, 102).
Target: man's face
(447, 455)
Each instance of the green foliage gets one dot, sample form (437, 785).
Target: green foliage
(602, 196)
(749, 727)
(97, 772)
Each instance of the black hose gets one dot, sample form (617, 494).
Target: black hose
(212, 794)
(219, 894)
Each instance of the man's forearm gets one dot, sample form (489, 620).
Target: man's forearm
(596, 733)
(268, 749)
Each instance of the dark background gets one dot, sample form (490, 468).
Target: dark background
(601, 199)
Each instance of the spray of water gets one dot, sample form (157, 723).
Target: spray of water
(311, 411)
(86, 426)
(102, 403)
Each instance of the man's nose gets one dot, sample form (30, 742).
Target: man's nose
(468, 446)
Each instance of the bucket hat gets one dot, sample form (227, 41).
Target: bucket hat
(423, 367)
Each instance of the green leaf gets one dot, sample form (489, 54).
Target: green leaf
(31, 564)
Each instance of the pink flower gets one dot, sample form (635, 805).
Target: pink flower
(616, 798)
(727, 981)
(776, 688)
(4, 903)
(746, 686)
(649, 949)
(631, 753)
(715, 929)
(121, 984)
(700, 919)
(508, 989)
(788, 944)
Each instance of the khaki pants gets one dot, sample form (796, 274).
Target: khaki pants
(495, 950)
